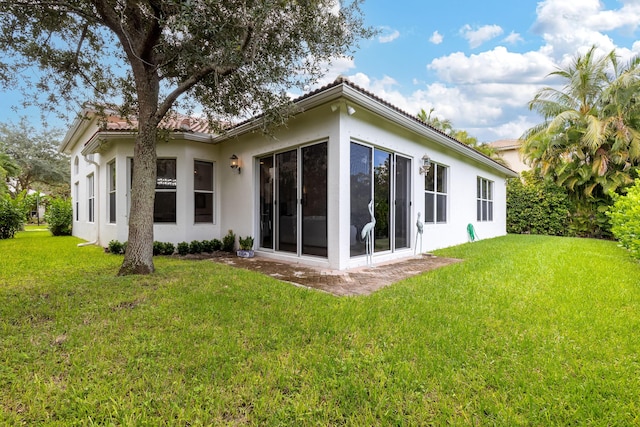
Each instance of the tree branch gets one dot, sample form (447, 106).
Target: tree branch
(200, 74)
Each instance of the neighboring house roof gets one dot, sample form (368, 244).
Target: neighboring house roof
(509, 150)
(506, 144)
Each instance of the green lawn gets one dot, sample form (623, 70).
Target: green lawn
(529, 330)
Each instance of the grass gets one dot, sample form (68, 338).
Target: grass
(529, 330)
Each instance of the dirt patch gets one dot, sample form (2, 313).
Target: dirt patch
(357, 281)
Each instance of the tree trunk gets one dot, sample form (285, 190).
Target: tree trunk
(138, 257)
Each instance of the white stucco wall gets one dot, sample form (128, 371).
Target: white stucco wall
(337, 122)
(239, 198)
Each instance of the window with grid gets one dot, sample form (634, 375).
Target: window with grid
(166, 188)
(484, 192)
(203, 191)
(435, 194)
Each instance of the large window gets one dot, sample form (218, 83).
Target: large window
(435, 194)
(111, 188)
(203, 191)
(166, 187)
(91, 198)
(484, 199)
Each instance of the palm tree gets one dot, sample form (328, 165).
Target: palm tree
(445, 126)
(589, 140)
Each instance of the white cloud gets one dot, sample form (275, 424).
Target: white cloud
(513, 38)
(497, 65)
(477, 37)
(487, 93)
(568, 25)
(389, 36)
(436, 38)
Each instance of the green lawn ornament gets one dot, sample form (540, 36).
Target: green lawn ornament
(471, 231)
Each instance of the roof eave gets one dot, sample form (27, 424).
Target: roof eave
(380, 108)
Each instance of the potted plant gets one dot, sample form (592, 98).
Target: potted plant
(246, 247)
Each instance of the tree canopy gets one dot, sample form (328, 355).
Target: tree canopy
(30, 159)
(230, 58)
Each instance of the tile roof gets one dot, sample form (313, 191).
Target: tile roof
(172, 122)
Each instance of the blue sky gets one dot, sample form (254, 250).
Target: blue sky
(477, 63)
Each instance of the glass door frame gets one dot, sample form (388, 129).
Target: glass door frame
(275, 222)
(393, 190)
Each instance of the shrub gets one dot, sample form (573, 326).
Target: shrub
(195, 247)
(59, 216)
(625, 219)
(589, 219)
(183, 248)
(216, 245)
(168, 248)
(158, 247)
(536, 207)
(11, 218)
(163, 248)
(115, 247)
(207, 246)
(229, 242)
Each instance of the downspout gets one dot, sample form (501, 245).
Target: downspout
(96, 198)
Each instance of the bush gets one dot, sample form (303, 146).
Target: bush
(163, 248)
(168, 248)
(207, 246)
(195, 247)
(11, 218)
(158, 247)
(589, 219)
(536, 207)
(183, 248)
(625, 219)
(216, 245)
(115, 247)
(229, 242)
(59, 217)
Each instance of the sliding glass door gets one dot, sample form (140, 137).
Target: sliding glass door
(293, 201)
(380, 193)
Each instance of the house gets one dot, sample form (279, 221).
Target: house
(509, 150)
(306, 192)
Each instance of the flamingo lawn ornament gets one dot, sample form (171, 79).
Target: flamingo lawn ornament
(367, 235)
(420, 228)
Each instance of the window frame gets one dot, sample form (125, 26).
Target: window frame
(111, 192)
(166, 185)
(484, 199)
(439, 192)
(200, 191)
(91, 198)
(76, 200)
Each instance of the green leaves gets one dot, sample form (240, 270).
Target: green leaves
(590, 136)
(625, 219)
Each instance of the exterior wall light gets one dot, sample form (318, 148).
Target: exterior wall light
(234, 163)
(426, 165)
